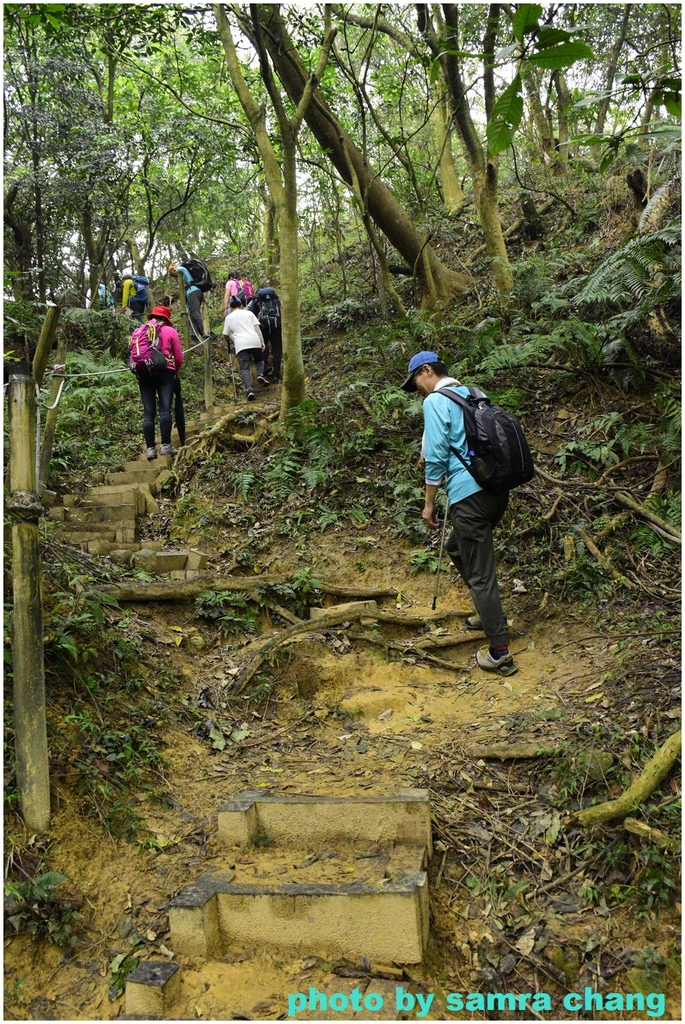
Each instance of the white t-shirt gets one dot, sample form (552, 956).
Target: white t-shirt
(240, 325)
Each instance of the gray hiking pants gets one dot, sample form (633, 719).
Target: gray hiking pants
(245, 360)
(471, 548)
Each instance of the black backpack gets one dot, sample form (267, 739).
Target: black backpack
(269, 311)
(499, 456)
(200, 274)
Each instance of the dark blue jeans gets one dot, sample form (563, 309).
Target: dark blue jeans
(151, 386)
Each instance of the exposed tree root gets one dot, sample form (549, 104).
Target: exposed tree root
(663, 528)
(334, 618)
(655, 772)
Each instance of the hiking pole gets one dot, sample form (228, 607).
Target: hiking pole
(442, 544)
(230, 363)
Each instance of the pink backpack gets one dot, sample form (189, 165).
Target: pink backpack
(245, 290)
(146, 355)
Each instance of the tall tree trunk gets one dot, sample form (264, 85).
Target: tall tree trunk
(453, 196)
(438, 282)
(269, 237)
(20, 257)
(611, 70)
(563, 103)
(37, 192)
(532, 85)
(281, 179)
(483, 171)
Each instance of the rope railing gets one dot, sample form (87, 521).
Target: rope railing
(66, 377)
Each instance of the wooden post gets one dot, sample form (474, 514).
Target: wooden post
(50, 422)
(47, 334)
(30, 729)
(207, 352)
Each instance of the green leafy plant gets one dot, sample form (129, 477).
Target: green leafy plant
(229, 609)
(38, 907)
(120, 967)
(423, 560)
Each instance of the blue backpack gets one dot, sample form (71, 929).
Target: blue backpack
(104, 296)
(140, 293)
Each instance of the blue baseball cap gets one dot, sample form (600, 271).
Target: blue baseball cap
(415, 363)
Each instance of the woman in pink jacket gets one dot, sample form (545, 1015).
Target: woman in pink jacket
(161, 383)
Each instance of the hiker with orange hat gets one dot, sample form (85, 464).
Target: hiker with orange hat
(156, 358)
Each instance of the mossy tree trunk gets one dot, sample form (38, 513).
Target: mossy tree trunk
(483, 169)
(280, 172)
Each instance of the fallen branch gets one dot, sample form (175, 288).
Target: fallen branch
(654, 835)
(405, 649)
(603, 560)
(334, 618)
(313, 626)
(665, 529)
(655, 772)
(509, 751)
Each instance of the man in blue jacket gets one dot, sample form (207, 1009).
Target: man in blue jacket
(473, 511)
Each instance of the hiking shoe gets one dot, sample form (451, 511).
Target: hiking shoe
(151, 454)
(251, 396)
(263, 381)
(504, 666)
(168, 449)
(473, 622)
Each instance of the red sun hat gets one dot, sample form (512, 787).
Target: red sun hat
(161, 311)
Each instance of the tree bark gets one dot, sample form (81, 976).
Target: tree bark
(438, 283)
(483, 171)
(30, 726)
(50, 422)
(563, 103)
(20, 256)
(532, 85)
(611, 71)
(453, 196)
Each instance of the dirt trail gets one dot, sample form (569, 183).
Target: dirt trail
(345, 717)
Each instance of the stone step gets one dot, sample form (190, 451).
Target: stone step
(131, 498)
(121, 514)
(137, 476)
(148, 504)
(142, 462)
(91, 531)
(74, 534)
(215, 413)
(159, 561)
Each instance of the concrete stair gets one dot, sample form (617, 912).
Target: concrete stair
(106, 520)
(374, 904)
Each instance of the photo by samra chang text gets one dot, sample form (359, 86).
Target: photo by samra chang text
(653, 1004)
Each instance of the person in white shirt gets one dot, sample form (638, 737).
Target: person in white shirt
(242, 327)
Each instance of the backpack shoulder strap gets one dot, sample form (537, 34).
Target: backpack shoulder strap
(465, 403)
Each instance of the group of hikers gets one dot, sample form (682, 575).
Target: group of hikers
(252, 324)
